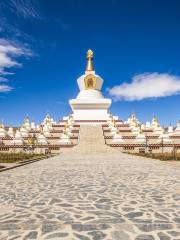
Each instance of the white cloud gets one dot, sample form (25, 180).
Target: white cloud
(8, 53)
(147, 85)
(5, 88)
(2, 79)
(22, 8)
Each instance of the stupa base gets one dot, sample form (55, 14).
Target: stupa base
(96, 110)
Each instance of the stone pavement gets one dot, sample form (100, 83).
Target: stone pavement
(105, 196)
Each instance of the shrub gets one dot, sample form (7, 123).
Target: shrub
(161, 156)
(16, 157)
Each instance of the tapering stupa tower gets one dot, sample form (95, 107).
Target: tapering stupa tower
(90, 104)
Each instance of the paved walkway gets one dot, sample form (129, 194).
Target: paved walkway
(109, 196)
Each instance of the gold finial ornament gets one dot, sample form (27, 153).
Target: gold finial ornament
(90, 53)
(89, 57)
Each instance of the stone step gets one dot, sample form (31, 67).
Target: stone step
(91, 141)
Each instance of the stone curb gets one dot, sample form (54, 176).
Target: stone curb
(25, 163)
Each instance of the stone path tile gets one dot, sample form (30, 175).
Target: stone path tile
(110, 196)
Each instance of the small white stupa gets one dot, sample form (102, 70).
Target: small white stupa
(71, 120)
(132, 120)
(26, 123)
(135, 129)
(47, 119)
(2, 131)
(47, 123)
(41, 139)
(65, 139)
(170, 130)
(143, 127)
(177, 130)
(69, 132)
(110, 121)
(70, 124)
(10, 132)
(33, 126)
(46, 131)
(23, 131)
(154, 122)
(157, 129)
(148, 125)
(164, 137)
(53, 121)
(117, 138)
(112, 127)
(17, 138)
(140, 138)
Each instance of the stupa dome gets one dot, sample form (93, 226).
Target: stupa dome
(85, 77)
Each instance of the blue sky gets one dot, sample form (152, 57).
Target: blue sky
(43, 46)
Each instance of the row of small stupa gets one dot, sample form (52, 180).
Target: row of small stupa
(46, 127)
(41, 132)
(45, 130)
(140, 130)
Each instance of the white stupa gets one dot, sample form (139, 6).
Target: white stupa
(33, 126)
(112, 127)
(117, 138)
(47, 119)
(27, 123)
(135, 129)
(41, 139)
(157, 129)
(69, 132)
(140, 138)
(90, 104)
(10, 132)
(70, 119)
(143, 127)
(18, 138)
(70, 124)
(65, 139)
(155, 124)
(132, 120)
(2, 131)
(49, 125)
(23, 131)
(148, 125)
(177, 129)
(170, 130)
(46, 130)
(164, 137)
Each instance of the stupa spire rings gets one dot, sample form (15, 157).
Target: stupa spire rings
(89, 57)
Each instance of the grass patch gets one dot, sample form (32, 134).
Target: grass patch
(17, 157)
(160, 156)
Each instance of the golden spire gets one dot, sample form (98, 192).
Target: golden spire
(90, 55)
